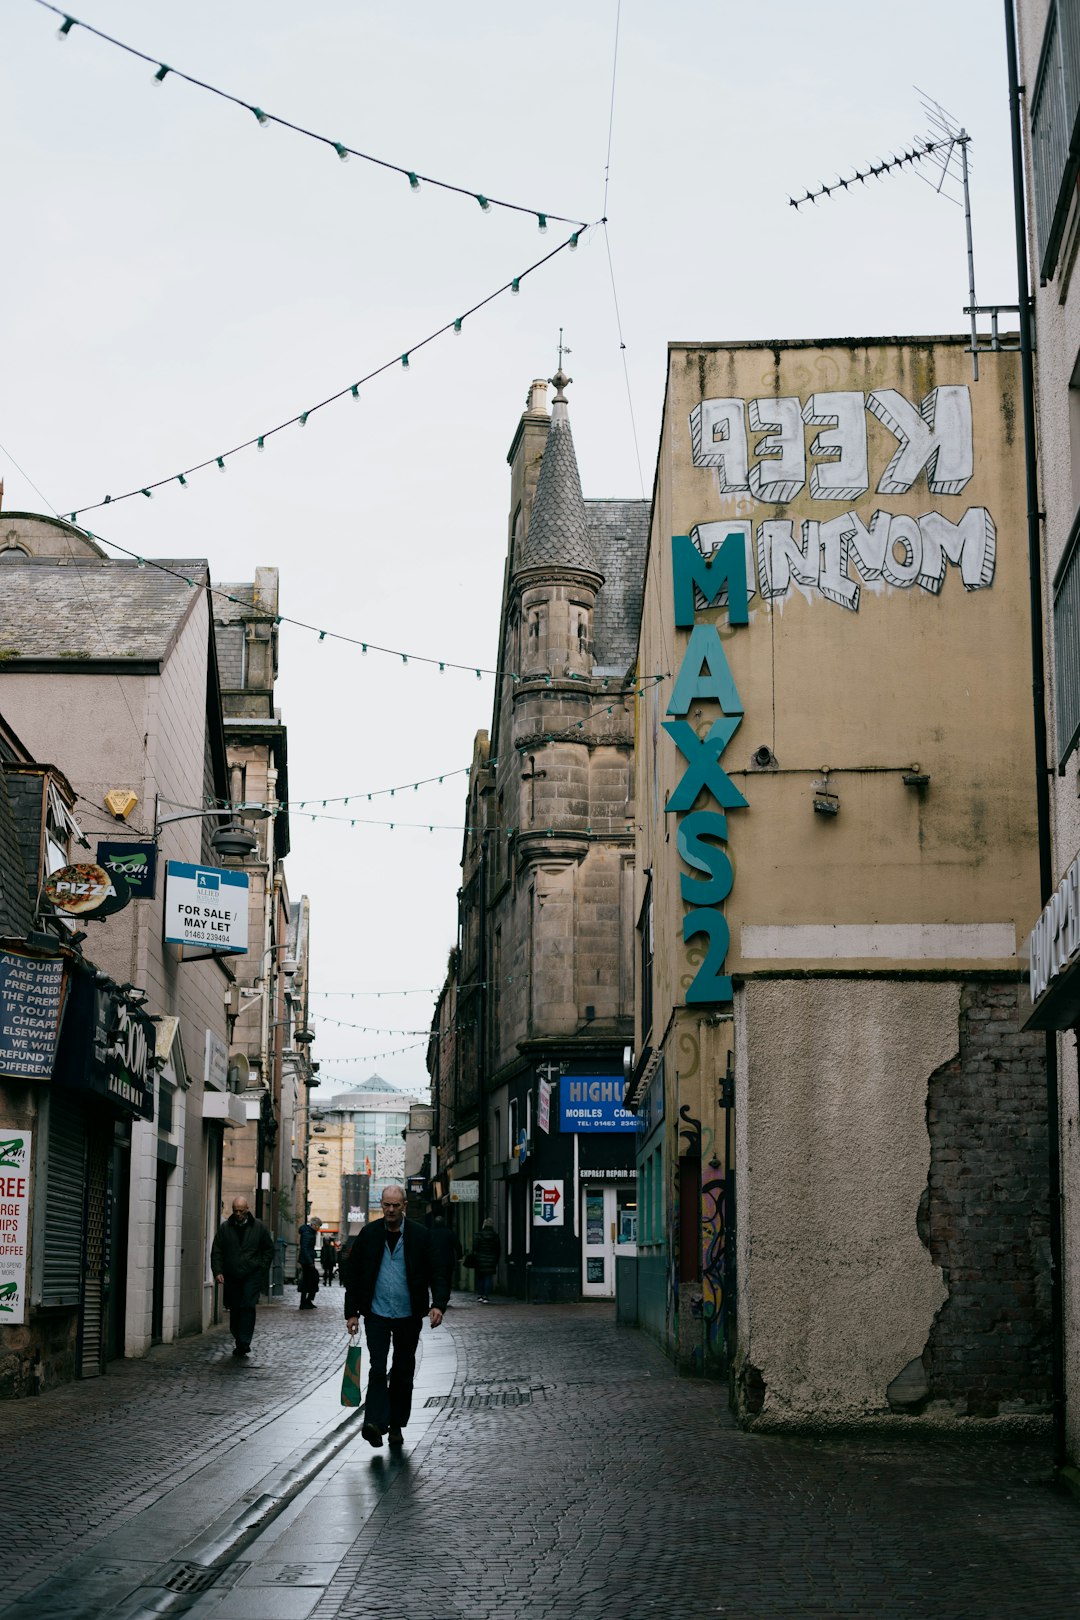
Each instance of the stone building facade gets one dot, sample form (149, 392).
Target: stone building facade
(843, 1123)
(110, 669)
(270, 1045)
(542, 980)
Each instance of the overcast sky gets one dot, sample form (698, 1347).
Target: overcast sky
(176, 279)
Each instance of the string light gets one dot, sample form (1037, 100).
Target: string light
(298, 624)
(258, 440)
(343, 151)
(422, 990)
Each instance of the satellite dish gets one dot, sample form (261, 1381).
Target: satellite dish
(239, 1071)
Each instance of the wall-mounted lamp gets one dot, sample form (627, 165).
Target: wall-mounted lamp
(916, 778)
(826, 803)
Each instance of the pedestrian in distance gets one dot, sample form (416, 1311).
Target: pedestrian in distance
(240, 1260)
(445, 1245)
(486, 1252)
(392, 1280)
(309, 1271)
(328, 1257)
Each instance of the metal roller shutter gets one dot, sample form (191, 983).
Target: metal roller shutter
(64, 1201)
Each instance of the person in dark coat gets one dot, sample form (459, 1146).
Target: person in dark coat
(309, 1271)
(240, 1259)
(486, 1251)
(393, 1280)
(328, 1258)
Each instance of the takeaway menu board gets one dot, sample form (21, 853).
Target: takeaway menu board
(31, 1002)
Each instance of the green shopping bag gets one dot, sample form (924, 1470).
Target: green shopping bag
(350, 1378)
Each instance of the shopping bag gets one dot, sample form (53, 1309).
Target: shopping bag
(350, 1378)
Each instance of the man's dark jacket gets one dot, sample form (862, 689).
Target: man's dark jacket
(242, 1253)
(424, 1273)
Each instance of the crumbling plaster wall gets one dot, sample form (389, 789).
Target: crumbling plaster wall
(837, 1294)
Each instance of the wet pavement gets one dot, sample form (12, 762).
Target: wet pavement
(554, 1466)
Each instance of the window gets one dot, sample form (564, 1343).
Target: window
(1055, 106)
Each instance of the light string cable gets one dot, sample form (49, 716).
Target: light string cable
(424, 781)
(381, 1029)
(610, 260)
(300, 419)
(417, 990)
(637, 690)
(373, 1057)
(163, 70)
(211, 591)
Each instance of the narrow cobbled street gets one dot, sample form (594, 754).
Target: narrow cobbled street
(189, 1482)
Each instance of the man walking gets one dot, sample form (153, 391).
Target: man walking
(388, 1276)
(240, 1259)
(309, 1271)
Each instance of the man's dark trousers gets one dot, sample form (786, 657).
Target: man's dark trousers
(242, 1324)
(389, 1402)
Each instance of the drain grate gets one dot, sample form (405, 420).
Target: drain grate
(192, 1578)
(477, 1402)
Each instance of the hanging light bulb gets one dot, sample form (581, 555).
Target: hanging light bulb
(515, 286)
(542, 222)
(181, 480)
(260, 443)
(484, 204)
(342, 151)
(65, 28)
(220, 463)
(414, 181)
(405, 362)
(574, 241)
(261, 116)
(148, 494)
(457, 327)
(355, 390)
(302, 418)
(159, 76)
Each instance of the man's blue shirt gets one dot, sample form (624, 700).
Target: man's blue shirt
(391, 1297)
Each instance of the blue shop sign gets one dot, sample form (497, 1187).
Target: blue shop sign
(590, 1102)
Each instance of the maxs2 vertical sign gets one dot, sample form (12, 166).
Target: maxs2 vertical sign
(704, 674)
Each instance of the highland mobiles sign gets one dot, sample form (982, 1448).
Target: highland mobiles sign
(705, 674)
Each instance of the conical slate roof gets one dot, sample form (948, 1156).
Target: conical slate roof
(558, 528)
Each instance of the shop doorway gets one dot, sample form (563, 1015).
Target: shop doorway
(608, 1231)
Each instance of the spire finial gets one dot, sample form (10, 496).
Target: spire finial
(560, 380)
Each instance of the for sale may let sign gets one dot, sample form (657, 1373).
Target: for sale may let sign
(207, 906)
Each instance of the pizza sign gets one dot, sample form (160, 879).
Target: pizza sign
(86, 890)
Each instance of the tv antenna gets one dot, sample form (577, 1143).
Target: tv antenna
(943, 149)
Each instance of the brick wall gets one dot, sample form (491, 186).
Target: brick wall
(984, 1217)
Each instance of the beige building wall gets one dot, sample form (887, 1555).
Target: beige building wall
(146, 732)
(864, 661)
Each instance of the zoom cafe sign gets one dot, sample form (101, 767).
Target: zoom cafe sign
(704, 675)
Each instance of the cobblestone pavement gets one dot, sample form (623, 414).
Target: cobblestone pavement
(574, 1474)
(85, 1457)
(569, 1472)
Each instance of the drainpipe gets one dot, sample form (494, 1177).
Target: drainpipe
(1038, 694)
